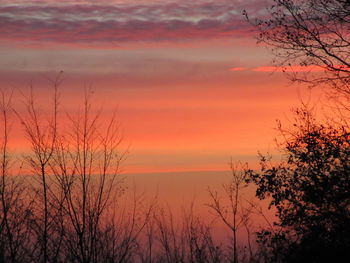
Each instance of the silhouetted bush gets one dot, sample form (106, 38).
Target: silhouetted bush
(310, 189)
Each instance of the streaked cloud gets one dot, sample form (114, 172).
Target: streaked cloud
(293, 68)
(238, 68)
(113, 22)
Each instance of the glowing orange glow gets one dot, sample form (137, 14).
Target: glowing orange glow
(238, 69)
(184, 78)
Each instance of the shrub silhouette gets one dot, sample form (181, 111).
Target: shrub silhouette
(310, 189)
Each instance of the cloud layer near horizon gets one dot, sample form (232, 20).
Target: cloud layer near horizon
(113, 22)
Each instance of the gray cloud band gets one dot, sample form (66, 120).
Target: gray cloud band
(78, 23)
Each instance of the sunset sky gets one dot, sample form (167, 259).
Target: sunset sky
(190, 85)
(174, 130)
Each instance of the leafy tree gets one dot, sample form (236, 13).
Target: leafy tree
(310, 190)
(310, 187)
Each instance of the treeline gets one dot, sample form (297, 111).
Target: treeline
(61, 201)
(66, 208)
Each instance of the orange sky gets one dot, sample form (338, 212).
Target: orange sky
(180, 108)
(191, 87)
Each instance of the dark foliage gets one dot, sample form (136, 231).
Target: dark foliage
(311, 192)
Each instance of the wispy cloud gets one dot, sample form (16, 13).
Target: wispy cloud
(293, 68)
(238, 69)
(88, 22)
(298, 68)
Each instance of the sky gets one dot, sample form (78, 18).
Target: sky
(190, 85)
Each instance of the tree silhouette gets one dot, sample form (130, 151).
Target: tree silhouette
(309, 33)
(234, 211)
(85, 164)
(189, 239)
(42, 137)
(310, 187)
(15, 209)
(311, 190)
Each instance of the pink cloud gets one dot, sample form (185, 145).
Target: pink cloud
(238, 69)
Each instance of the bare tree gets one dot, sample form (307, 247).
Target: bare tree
(234, 212)
(187, 239)
(197, 233)
(131, 221)
(42, 134)
(147, 246)
(15, 210)
(71, 211)
(85, 162)
(76, 216)
(6, 202)
(310, 34)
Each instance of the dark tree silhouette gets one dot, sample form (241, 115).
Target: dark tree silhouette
(189, 239)
(235, 211)
(15, 209)
(311, 190)
(309, 33)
